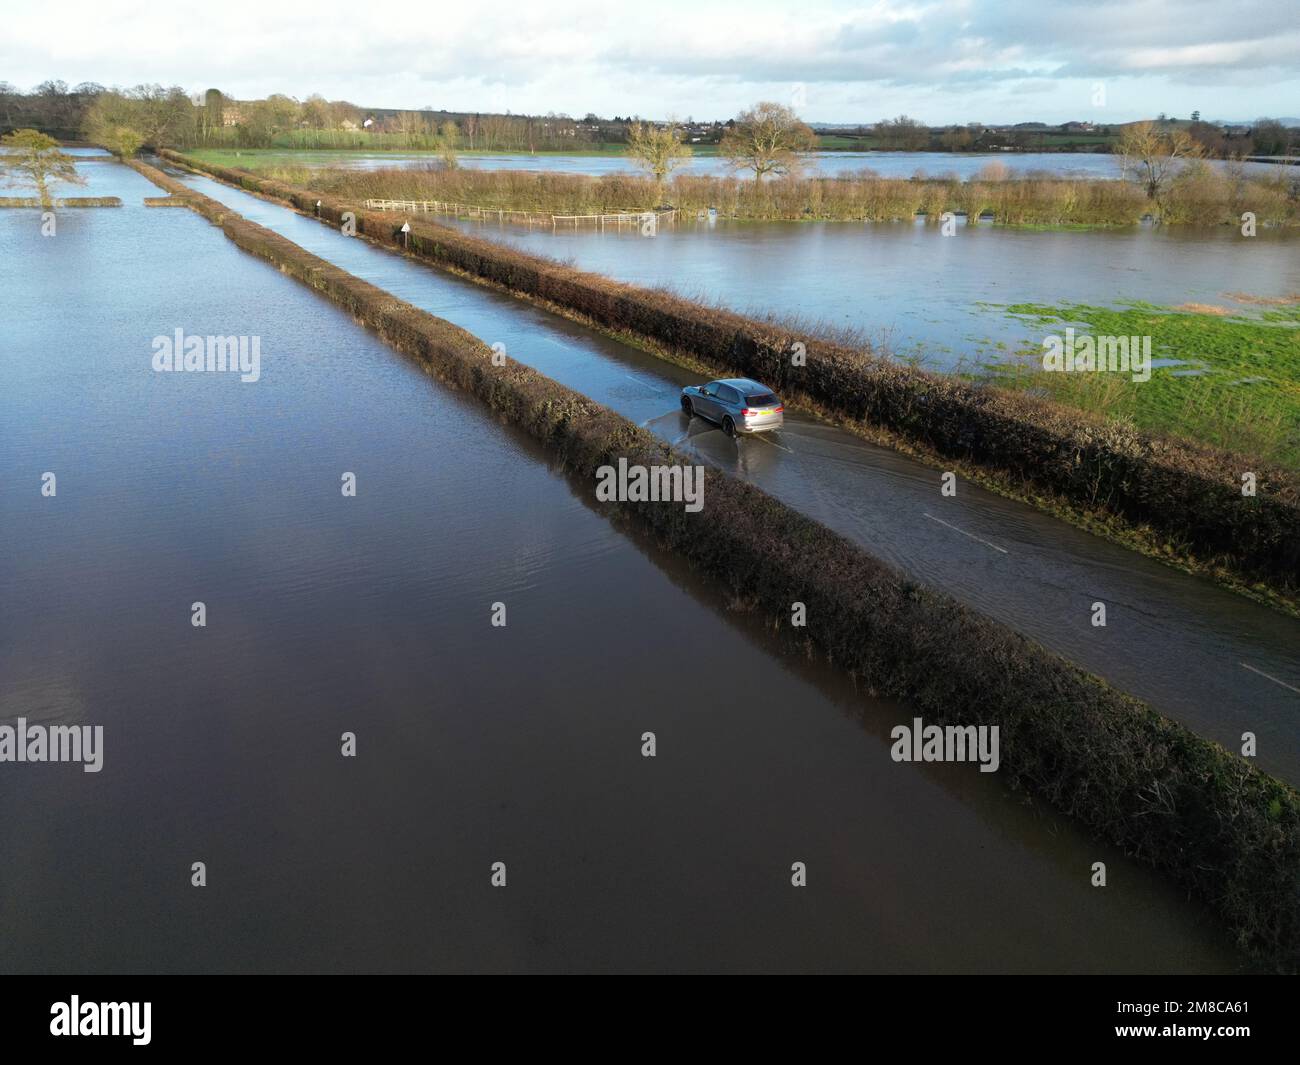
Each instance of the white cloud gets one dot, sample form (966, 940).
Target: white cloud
(944, 60)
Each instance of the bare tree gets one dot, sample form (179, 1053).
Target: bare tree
(316, 112)
(411, 124)
(1270, 137)
(767, 139)
(659, 151)
(114, 122)
(448, 143)
(903, 132)
(956, 138)
(35, 159)
(212, 115)
(163, 116)
(1151, 156)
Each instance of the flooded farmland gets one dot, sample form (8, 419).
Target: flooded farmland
(892, 164)
(328, 614)
(1200, 654)
(906, 287)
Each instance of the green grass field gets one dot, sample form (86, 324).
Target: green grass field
(1235, 381)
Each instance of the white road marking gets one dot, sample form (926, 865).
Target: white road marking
(760, 436)
(644, 383)
(971, 535)
(1267, 677)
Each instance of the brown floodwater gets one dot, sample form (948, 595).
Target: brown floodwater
(475, 744)
(1212, 659)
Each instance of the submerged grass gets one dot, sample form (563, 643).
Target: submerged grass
(1233, 381)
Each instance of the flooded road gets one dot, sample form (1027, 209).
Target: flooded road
(1204, 656)
(327, 614)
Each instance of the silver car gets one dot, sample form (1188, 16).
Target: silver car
(737, 404)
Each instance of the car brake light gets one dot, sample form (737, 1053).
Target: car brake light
(746, 412)
(778, 410)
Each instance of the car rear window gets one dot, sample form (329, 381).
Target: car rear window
(762, 399)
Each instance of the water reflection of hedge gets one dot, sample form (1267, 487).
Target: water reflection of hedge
(1208, 818)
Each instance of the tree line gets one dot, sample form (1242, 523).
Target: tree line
(157, 115)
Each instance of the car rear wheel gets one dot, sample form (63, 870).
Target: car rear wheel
(729, 427)
(687, 409)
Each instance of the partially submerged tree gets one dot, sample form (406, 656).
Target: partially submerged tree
(32, 158)
(658, 150)
(449, 144)
(1152, 156)
(767, 139)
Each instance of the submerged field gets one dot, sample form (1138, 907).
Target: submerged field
(703, 162)
(1224, 375)
(1180, 499)
(980, 304)
(1227, 370)
(1201, 194)
(832, 571)
(361, 626)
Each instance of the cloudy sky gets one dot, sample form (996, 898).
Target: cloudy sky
(938, 60)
